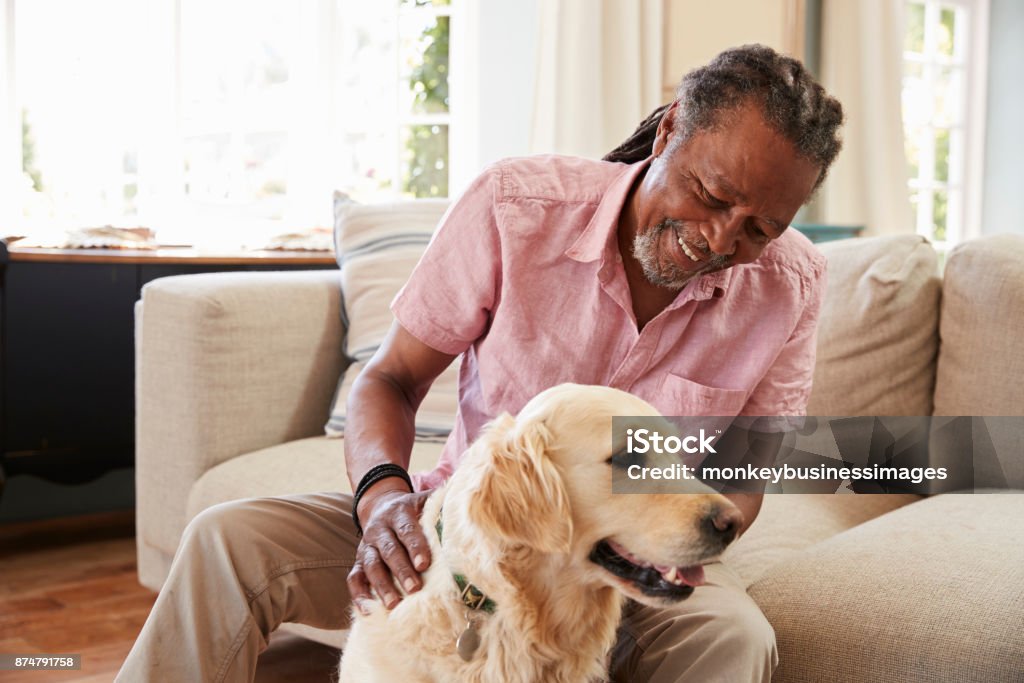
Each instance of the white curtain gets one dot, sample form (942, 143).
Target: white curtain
(861, 65)
(599, 73)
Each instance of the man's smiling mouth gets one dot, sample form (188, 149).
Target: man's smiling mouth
(691, 253)
(686, 250)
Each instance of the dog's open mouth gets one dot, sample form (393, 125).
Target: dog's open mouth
(656, 581)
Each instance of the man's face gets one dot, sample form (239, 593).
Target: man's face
(717, 199)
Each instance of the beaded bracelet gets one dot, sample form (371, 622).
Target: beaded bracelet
(375, 474)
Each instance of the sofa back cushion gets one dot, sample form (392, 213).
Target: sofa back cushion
(981, 361)
(377, 246)
(878, 331)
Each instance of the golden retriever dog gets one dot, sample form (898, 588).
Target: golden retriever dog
(529, 520)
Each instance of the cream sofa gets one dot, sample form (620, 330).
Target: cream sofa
(236, 373)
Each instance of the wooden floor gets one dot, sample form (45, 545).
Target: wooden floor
(69, 586)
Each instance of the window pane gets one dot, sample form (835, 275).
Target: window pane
(942, 155)
(208, 167)
(424, 58)
(236, 65)
(912, 140)
(82, 105)
(947, 24)
(266, 171)
(424, 3)
(231, 73)
(914, 39)
(957, 156)
(954, 216)
(425, 162)
(940, 207)
(365, 155)
(916, 209)
(948, 96)
(916, 97)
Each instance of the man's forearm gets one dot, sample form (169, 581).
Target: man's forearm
(380, 428)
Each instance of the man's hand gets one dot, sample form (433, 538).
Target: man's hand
(391, 536)
(381, 428)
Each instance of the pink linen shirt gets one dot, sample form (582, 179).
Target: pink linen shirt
(524, 277)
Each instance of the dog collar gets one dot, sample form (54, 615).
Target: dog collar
(471, 596)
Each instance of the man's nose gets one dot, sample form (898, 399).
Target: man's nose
(723, 234)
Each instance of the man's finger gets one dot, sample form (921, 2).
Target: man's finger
(396, 557)
(359, 588)
(411, 535)
(379, 575)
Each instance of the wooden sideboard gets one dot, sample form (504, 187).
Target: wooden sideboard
(67, 350)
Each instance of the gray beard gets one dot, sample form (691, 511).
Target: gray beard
(667, 274)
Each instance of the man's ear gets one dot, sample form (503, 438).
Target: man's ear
(666, 128)
(521, 498)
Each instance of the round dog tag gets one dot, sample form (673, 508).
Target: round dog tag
(468, 642)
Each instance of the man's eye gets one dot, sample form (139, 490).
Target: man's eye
(709, 198)
(760, 235)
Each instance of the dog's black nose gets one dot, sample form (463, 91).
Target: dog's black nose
(722, 524)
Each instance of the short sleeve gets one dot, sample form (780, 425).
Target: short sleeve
(786, 387)
(450, 296)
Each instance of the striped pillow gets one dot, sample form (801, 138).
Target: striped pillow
(377, 246)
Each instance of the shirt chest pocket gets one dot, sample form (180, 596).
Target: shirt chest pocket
(681, 396)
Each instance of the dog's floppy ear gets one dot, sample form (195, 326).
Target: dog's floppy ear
(521, 498)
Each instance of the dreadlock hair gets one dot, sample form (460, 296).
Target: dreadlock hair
(792, 103)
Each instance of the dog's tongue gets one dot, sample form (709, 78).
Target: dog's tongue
(691, 576)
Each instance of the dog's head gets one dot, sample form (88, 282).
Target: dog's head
(542, 482)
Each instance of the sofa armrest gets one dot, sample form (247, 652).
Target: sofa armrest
(225, 364)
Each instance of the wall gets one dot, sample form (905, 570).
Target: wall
(497, 78)
(505, 44)
(1003, 200)
(504, 49)
(697, 30)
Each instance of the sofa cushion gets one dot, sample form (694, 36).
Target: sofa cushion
(877, 335)
(378, 246)
(929, 592)
(790, 523)
(305, 466)
(982, 358)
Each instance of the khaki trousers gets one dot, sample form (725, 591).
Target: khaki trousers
(245, 567)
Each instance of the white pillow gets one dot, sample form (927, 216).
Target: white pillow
(377, 246)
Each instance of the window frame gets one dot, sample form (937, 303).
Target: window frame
(971, 124)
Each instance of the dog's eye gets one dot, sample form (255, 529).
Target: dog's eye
(623, 459)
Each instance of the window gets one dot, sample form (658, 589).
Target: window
(943, 114)
(226, 121)
(424, 30)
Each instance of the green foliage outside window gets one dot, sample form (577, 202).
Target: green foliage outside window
(28, 154)
(913, 40)
(426, 171)
(940, 207)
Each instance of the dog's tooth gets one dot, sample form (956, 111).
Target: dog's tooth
(672, 576)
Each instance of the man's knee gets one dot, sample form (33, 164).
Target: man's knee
(726, 639)
(745, 631)
(218, 528)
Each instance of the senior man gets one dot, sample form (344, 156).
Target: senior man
(666, 270)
